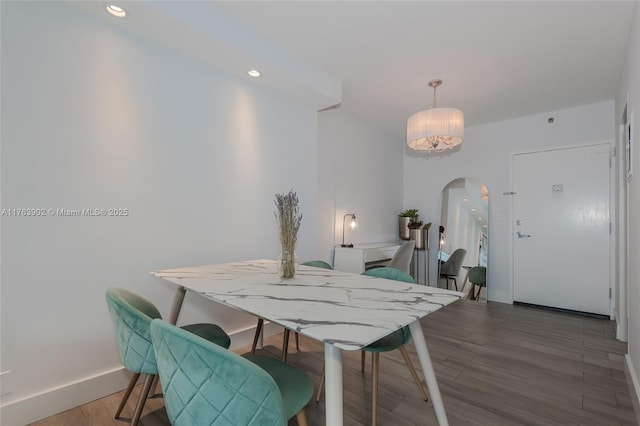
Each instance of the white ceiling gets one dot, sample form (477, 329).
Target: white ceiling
(498, 60)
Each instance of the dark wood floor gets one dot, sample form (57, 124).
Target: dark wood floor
(496, 364)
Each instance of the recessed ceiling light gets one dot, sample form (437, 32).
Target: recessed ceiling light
(254, 73)
(479, 218)
(473, 210)
(116, 11)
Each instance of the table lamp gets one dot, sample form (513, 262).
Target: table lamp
(353, 224)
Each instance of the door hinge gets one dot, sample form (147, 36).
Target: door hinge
(610, 228)
(609, 292)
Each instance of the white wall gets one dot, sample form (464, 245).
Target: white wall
(630, 86)
(359, 171)
(486, 156)
(96, 118)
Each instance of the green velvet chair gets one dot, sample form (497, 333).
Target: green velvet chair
(477, 277)
(205, 384)
(131, 316)
(396, 340)
(285, 341)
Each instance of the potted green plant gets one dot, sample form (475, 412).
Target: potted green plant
(404, 219)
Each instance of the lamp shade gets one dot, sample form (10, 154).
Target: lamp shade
(435, 129)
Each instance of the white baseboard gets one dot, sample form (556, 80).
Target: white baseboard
(242, 338)
(52, 401)
(634, 385)
(43, 404)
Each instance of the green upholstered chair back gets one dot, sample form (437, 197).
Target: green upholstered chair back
(390, 274)
(318, 264)
(132, 316)
(478, 275)
(203, 382)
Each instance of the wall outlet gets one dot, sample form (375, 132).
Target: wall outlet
(6, 383)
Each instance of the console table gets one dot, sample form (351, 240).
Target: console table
(361, 257)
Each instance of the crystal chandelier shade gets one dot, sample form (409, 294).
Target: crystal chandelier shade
(435, 129)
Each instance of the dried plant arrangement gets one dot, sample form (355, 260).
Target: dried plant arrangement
(289, 219)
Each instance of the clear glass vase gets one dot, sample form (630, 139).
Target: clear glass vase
(287, 264)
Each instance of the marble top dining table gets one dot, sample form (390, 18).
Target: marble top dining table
(346, 311)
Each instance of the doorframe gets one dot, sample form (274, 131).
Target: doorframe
(621, 249)
(612, 209)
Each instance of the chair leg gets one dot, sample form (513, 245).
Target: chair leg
(257, 336)
(363, 358)
(320, 387)
(472, 291)
(127, 393)
(154, 387)
(297, 342)
(302, 418)
(407, 360)
(477, 296)
(455, 282)
(374, 387)
(285, 345)
(143, 397)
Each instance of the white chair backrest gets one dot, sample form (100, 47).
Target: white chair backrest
(402, 259)
(452, 266)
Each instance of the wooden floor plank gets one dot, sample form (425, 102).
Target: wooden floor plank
(496, 364)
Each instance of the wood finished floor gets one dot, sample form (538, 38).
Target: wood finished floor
(496, 364)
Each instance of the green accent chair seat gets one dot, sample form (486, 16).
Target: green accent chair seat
(131, 315)
(318, 264)
(285, 341)
(396, 340)
(205, 384)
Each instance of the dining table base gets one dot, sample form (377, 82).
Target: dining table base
(420, 344)
(333, 383)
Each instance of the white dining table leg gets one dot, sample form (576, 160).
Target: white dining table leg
(333, 384)
(176, 305)
(427, 369)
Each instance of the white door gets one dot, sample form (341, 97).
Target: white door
(561, 228)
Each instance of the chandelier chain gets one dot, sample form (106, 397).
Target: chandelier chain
(433, 104)
(434, 83)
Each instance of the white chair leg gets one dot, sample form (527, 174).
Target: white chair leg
(374, 387)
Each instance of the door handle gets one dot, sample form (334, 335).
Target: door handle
(522, 235)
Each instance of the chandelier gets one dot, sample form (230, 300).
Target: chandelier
(435, 129)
